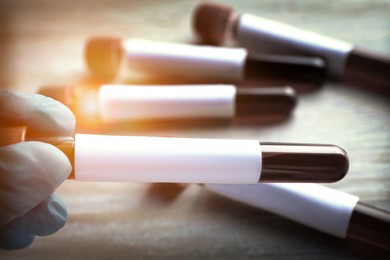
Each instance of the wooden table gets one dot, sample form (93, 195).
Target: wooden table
(42, 42)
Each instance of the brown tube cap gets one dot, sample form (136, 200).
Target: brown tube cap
(15, 134)
(12, 135)
(210, 21)
(63, 94)
(103, 56)
(317, 163)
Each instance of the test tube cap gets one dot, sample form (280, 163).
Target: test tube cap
(103, 56)
(62, 93)
(210, 21)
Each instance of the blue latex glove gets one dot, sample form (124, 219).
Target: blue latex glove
(31, 171)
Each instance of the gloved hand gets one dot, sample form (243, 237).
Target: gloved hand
(31, 171)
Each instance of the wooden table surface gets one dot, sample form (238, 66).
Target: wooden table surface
(41, 43)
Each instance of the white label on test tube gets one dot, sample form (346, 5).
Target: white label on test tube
(186, 61)
(159, 159)
(316, 206)
(119, 103)
(252, 30)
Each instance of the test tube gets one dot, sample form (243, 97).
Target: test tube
(216, 23)
(192, 160)
(110, 103)
(184, 63)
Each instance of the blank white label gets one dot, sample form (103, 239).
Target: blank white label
(120, 103)
(253, 30)
(164, 159)
(313, 205)
(196, 63)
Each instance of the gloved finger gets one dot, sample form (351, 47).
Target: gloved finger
(14, 238)
(44, 219)
(39, 113)
(29, 173)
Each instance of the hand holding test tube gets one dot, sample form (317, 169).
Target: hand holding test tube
(31, 171)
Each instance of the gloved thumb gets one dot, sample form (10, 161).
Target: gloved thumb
(30, 172)
(44, 219)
